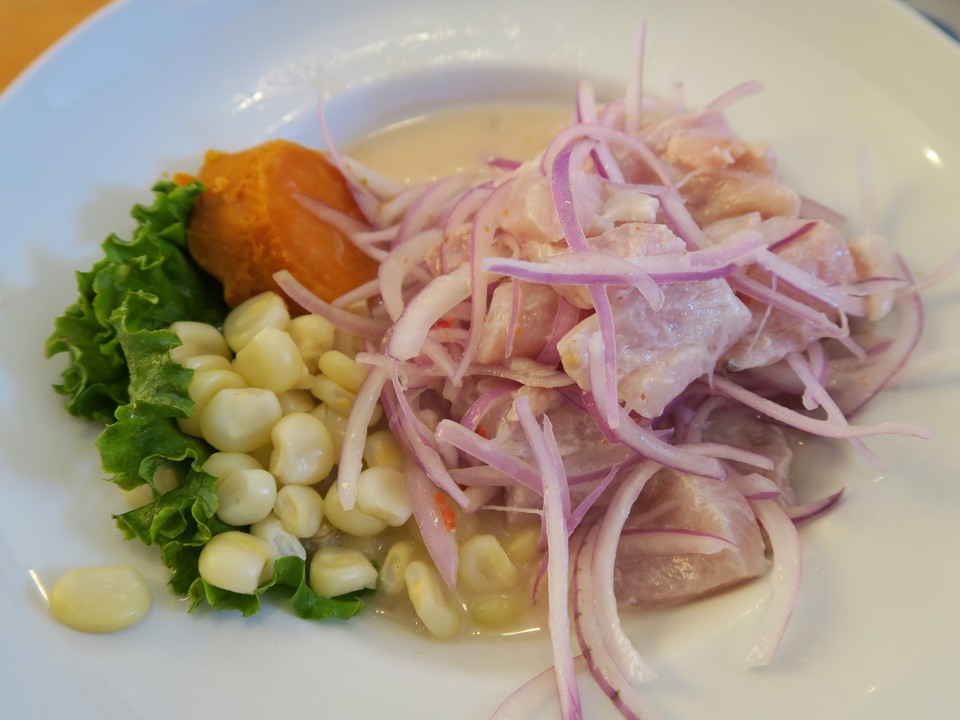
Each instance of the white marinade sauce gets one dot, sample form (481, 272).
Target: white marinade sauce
(459, 139)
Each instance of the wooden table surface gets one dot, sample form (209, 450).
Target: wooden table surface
(28, 27)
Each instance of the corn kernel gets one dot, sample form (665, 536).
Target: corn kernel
(220, 464)
(495, 610)
(394, 565)
(430, 600)
(524, 545)
(335, 396)
(270, 360)
(240, 419)
(381, 449)
(313, 335)
(382, 493)
(203, 386)
(296, 401)
(336, 423)
(484, 566)
(245, 496)
(343, 370)
(336, 571)
(268, 309)
(352, 521)
(236, 561)
(100, 599)
(283, 543)
(206, 362)
(197, 338)
(300, 509)
(303, 450)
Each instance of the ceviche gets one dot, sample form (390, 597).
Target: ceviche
(560, 387)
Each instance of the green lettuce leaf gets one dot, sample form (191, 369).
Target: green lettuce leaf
(121, 374)
(288, 572)
(127, 300)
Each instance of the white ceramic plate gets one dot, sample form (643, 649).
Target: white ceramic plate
(145, 88)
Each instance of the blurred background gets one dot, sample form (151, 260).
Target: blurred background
(28, 27)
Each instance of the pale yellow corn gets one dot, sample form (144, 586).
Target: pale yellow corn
(394, 565)
(485, 566)
(203, 386)
(382, 493)
(296, 401)
(271, 360)
(245, 496)
(332, 394)
(431, 601)
(343, 370)
(100, 599)
(523, 545)
(303, 450)
(197, 338)
(268, 309)
(207, 362)
(300, 509)
(353, 521)
(236, 561)
(335, 571)
(220, 464)
(283, 543)
(313, 335)
(495, 610)
(336, 423)
(381, 449)
(167, 477)
(240, 419)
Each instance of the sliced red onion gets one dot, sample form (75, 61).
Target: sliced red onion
(398, 263)
(346, 224)
(364, 327)
(483, 229)
(594, 641)
(563, 200)
(778, 245)
(611, 525)
(514, 319)
(851, 385)
(424, 309)
(676, 541)
(815, 395)
(785, 580)
(810, 284)
(722, 451)
(556, 510)
(487, 452)
(523, 703)
(814, 426)
(441, 543)
(807, 511)
(567, 316)
(733, 95)
(355, 435)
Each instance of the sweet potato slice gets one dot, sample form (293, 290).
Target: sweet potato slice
(248, 223)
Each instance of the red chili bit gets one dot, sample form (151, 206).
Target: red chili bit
(443, 323)
(446, 512)
(482, 432)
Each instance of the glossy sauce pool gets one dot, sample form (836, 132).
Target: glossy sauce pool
(460, 139)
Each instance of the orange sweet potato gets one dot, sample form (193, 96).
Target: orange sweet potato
(248, 223)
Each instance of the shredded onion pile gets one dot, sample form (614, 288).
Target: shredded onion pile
(451, 250)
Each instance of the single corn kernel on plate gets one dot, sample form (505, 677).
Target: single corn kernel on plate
(100, 599)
